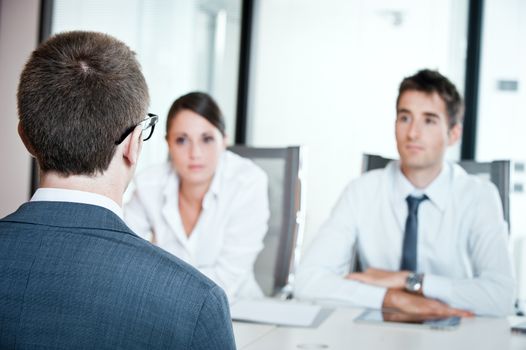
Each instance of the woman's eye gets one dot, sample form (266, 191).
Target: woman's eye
(180, 140)
(208, 139)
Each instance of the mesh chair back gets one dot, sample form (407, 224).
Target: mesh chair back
(275, 265)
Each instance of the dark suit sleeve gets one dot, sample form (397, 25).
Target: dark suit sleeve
(214, 325)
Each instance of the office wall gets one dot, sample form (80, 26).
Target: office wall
(502, 111)
(18, 37)
(502, 94)
(325, 74)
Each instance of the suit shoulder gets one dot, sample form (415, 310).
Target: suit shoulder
(173, 268)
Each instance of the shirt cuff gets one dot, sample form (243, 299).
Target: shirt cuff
(437, 287)
(370, 296)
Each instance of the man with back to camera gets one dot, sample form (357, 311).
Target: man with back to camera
(74, 276)
(431, 238)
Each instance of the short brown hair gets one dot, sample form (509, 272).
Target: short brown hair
(78, 92)
(430, 81)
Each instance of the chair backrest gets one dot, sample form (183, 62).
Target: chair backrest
(497, 171)
(275, 265)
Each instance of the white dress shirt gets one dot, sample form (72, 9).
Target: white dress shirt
(462, 241)
(229, 232)
(48, 194)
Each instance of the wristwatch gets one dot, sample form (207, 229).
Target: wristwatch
(413, 282)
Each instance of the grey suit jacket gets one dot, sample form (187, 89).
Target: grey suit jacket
(73, 276)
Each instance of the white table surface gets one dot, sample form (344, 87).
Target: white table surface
(247, 333)
(339, 331)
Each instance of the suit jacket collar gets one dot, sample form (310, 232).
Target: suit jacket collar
(68, 214)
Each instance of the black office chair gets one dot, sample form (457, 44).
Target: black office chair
(275, 265)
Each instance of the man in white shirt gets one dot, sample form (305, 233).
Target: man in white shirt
(73, 275)
(431, 239)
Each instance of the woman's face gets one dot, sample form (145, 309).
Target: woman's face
(195, 146)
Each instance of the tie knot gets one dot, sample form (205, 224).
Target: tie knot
(414, 202)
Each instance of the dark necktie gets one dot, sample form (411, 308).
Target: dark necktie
(411, 234)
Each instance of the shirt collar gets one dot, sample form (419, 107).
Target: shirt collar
(437, 191)
(65, 195)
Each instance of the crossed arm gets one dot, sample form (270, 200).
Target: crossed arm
(486, 287)
(397, 298)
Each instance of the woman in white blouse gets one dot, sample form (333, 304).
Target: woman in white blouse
(207, 206)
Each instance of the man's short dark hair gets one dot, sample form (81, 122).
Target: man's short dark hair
(78, 92)
(430, 81)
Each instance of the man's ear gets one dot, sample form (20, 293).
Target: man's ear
(454, 134)
(24, 139)
(132, 146)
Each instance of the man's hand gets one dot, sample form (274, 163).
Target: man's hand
(381, 278)
(419, 305)
(389, 315)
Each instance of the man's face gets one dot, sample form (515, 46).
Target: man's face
(422, 130)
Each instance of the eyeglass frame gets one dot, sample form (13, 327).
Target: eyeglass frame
(146, 123)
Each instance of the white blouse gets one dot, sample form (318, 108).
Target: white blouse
(229, 232)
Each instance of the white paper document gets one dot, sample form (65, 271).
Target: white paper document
(284, 313)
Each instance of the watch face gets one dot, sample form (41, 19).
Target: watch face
(414, 282)
(416, 286)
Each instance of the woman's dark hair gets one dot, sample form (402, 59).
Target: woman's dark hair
(200, 103)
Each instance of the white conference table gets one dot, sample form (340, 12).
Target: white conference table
(339, 331)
